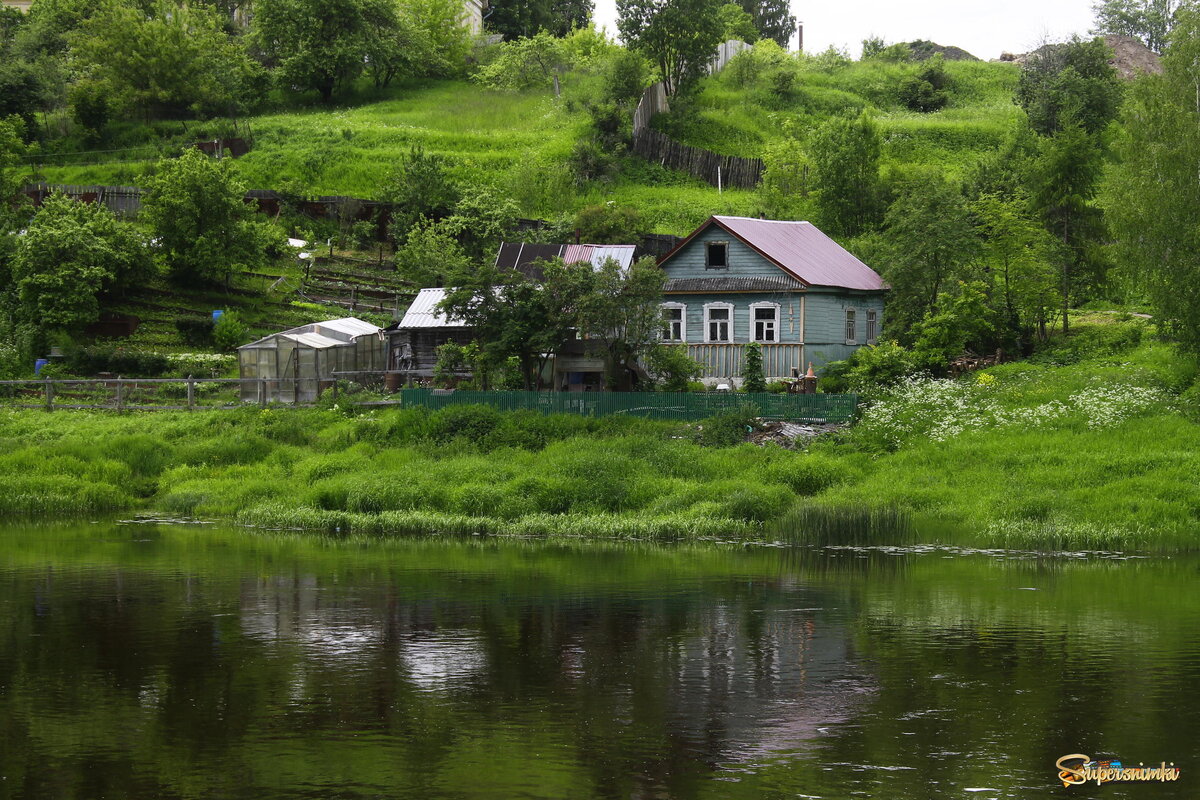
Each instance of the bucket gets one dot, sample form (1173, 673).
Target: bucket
(391, 381)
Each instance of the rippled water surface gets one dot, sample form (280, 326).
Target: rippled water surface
(167, 661)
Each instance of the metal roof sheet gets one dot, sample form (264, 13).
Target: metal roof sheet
(523, 257)
(320, 335)
(424, 313)
(800, 249)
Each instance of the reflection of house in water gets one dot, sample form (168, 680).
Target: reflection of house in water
(737, 680)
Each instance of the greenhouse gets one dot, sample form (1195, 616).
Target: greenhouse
(296, 365)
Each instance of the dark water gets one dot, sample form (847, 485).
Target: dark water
(153, 661)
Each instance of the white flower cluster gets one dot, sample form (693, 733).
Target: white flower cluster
(209, 359)
(943, 409)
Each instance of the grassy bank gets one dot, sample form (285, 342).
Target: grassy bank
(1088, 445)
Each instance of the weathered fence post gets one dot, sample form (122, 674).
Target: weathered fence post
(262, 392)
(191, 393)
(120, 395)
(49, 393)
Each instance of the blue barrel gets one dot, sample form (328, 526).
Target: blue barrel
(217, 314)
(37, 365)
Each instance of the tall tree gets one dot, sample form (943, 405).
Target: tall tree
(526, 17)
(315, 44)
(622, 312)
(1065, 183)
(845, 157)
(1151, 21)
(1153, 198)
(174, 61)
(196, 208)
(932, 245)
(1070, 82)
(773, 18)
(70, 255)
(1018, 255)
(680, 36)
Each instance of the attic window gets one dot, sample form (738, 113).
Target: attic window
(716, 255)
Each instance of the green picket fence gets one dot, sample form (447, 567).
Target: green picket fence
(682, 406)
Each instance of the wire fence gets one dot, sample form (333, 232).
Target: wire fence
(680, 406)
(369, 389)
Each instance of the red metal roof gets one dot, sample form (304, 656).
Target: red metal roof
(800, 249)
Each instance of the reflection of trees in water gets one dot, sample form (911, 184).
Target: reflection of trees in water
(644, 685)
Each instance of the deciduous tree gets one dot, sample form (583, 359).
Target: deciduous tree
(845, 157)
(204, 228)
(680, 36)
(1069, 83)
(1151, 21)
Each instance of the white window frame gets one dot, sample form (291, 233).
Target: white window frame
(708, 308)
(682, 308)
(852, 326)
(872, 325)
(754, 307)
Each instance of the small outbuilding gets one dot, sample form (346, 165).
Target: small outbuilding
(424, 328)
(295, 366)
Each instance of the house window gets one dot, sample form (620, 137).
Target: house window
(872, 326)
(718, 322)
(716, 255)
(766, 322)
(850, 339)
(674, 318)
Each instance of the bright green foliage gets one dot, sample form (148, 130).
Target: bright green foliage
(483, 218)
(625, 77)
(679, 36)
(869, 369)
(419, 186)
(319, 44)
(876, 49)
(205, 230)
(229, 332)
(1065, 183)
(524, 63)
(439, 26)
(393, 47)
(621, 310)
(753, 379)
(1019, 256)
(70, 255)
(845, 157)
(176, 60)
(929, 89)
(965, 324)
(672, 368)
(1153, 199)
(429, 255)
(931, 243)
(737, 23)
(1151, 21)
(787, 177)
(609, 224)
(1070, 83)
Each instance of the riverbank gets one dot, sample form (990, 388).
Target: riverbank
(1088, 445)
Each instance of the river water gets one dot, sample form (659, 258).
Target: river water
(179, 661)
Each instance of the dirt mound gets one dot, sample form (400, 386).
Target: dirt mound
(922, 49)
(1130, 57)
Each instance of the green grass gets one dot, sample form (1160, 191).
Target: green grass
(1089, 445)
(741, 121)
(521, 142)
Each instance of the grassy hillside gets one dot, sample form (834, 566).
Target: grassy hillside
(522, 142)
(740, 120)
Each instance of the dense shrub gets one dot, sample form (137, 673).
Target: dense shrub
(728, 428)
(195, 331)
(118, 361)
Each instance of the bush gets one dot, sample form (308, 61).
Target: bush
(229, 333)
(470, 422)
(673, 369)
(729, 428)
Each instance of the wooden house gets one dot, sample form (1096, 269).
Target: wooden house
(785, 285)
(413, 342)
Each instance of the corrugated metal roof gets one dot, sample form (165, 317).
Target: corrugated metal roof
(800, 249)
(523, 257)
(320, 335)
(747, 283)
(424, 313)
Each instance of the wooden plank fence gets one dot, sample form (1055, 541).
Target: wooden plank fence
(712, 168)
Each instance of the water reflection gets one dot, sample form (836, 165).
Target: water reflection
(184, 663)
